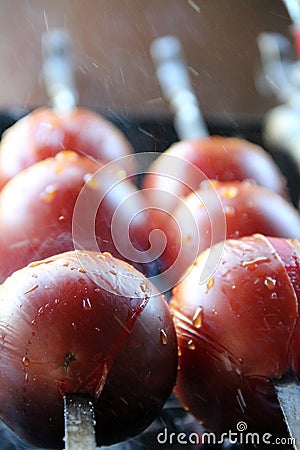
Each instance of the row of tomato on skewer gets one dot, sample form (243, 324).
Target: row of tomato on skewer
(219, 359)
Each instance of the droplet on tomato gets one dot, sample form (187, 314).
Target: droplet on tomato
(253, 263)
(25, 361)
(86, 304)
(48, 193)
(163, 337)
(191, 344)
(270, 283)
(197, 318)
(210, 284)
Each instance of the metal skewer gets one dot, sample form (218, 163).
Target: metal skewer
(58, 70)
(79, 422)
(174, 79)
(58, 74)
(287, 389)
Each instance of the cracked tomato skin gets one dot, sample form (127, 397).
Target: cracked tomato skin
(235, 333)
(37, 206)
(89, 323)
(45, 132)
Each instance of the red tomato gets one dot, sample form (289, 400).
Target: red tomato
(45, 132)
(224, 210)
(182, 168)
(88, 323)
(37, 206)
(234, 334)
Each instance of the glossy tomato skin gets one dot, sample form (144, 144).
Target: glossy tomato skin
(234, 333)
(215, 157)
(45, 132)
(37, 207)
(90, 323)
(224, 210)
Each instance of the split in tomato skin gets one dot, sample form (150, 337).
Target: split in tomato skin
(45, 132)
(234, 335)
(89, 323)
(37, 207)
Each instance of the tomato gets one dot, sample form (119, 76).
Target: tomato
(37, 207)
(45, 132)
(235, 333)
(83, 322)
(182, 168)
(220, 210)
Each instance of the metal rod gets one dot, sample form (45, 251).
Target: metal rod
(79, 422)
(174, 79)
(287, 389)
(58, 70)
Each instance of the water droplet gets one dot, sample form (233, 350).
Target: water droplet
(61, 218)
(40, 311)
(56, 301)
(81, 270)
(91, 181)
(252, 264)
(25, 361)
(48, 193)
(233, 287)
(66, 264)
(113, 271)
(214, 311)
(270, 283)
(229, 210)
(163, 337)
(229, 192)
(86, 304)
(197, 318)
(143, 286)
(209, 284)
(274, 295)
(179, 351)
(33, 322)
(31, 289)
(191, 344)
(97, 290)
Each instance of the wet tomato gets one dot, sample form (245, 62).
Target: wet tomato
(38, 217)
(223, 210)
(83, 322)
(236, 331)
(45, 132)
(182, 168)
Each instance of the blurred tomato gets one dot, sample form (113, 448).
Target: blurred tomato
(182, 168)
(220, 210)
(45, 132)
(37, 207)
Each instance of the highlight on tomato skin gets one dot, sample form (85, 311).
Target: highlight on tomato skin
(90, 323)
(245, 207)
(36, 210)
(45, 132)
(235, 333)
(215, 157)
